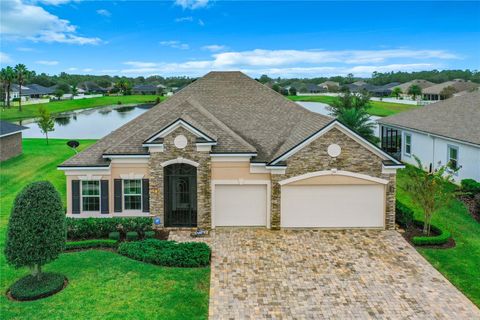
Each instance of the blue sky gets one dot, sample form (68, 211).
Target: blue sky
(192, 37)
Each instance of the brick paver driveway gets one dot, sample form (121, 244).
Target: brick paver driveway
(260, 274)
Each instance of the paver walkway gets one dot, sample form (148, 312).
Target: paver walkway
(258, 274)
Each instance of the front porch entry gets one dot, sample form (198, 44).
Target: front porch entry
(180, 195)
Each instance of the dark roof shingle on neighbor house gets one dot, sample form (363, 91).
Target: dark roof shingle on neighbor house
(7, 128)
(243, 115)
(456, 118)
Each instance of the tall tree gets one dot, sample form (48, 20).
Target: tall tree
(415, 91)
(74, 91)
(7, 76)
(448, 92)
(22, 75)
(45, 121)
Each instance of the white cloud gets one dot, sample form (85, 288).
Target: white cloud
(191, 4)
(47, 62)
(56, 2)
(72, 69)
(298, 63)
(215, 47)
(5, 58)
(27, 21)
(104, 12)
(200, 22)
(25, 49)
(175, 44)
(87, 70)
(184, 19)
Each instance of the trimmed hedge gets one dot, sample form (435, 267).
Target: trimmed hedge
(132, 236)
(149, 234)
(442, 237)
(31, 288)
(97, 228)
(167, 253)
(115, 235)
(89, 244)
(403, 214)
(470, 186)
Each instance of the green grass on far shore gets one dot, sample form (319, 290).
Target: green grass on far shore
(31, 111)
(460, 265)
(378, 108)
(102, 284)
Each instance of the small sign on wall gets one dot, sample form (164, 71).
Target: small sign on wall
(156, 220)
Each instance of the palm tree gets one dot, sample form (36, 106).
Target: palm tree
(74, 91)
(22, 74)
(7, 75)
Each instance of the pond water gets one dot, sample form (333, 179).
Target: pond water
(98, 122)
(87, 124)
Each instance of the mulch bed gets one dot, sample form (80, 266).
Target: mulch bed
(161, 234)
(414, 231)
(470, 204)
(44, 295)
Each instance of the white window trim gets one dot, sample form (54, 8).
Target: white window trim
(405, 134)
(99, 198)
(129, 211)
(180, 160)
(451, 146)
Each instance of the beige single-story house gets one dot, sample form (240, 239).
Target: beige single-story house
(227, 151)
(435, 92)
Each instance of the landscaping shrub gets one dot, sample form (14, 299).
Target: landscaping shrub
(477, 203)
(403, 214)
(33, 287)
(149, 234)
(89, 244)
(115, 235)
(470, 186)
(96, 228)
(168, 253)
(132, 236)
(442, 237)
(36, 228)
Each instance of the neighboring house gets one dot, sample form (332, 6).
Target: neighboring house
(443, 132)
(30, 91)
(147, 89)
(313, 88)
(383, 91)
(10, 140)
(90, 87)
(330, 86)
(229, 151)
(360, 86)
(423, 84)
(435, 92)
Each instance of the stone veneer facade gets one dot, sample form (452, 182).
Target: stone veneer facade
(203, 176)
(313, 157)
(354, 157)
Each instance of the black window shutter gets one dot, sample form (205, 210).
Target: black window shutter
(104, 196)
(76, 196)
(145, 195)
(117, 195)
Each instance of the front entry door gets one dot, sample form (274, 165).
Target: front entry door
(180, 195)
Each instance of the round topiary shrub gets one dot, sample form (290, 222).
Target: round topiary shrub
(36, 228)
(36, 287)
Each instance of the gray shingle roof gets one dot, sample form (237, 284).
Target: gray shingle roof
(459, 85)
(457, 118)
(7, 128)
(242, 114)
(421, 83)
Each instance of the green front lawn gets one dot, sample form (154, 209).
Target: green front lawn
(461, 265)
(378, 108)
(31, 111)
(103, 285)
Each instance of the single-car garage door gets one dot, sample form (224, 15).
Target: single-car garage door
(240, 205)
(333, 206)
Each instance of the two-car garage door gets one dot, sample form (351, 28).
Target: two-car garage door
(332, 206)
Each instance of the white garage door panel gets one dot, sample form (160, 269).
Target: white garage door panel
(240, 205)
(332, 206)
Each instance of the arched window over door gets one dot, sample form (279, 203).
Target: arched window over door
(180, 195)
